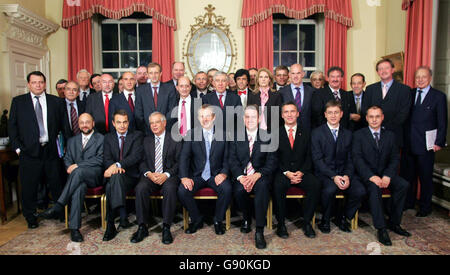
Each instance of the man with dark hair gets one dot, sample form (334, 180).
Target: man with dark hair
(241, 77)
(295, 170)
(60, 87)
(332, 158)
(358, 83)
(393, 97)
(211, 72)
(122, 154)
(178, 70)
(142, 76)
(125, 100)
(36, 119)
(252, 82)
(96, 82)
(200, 87)
(333, 92)
(376, 158)
(428, 112)
(281, 77)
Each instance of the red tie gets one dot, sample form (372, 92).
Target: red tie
(291, 138)
(220, 100)
(130, 102)
(155, 96)
(242, 93)
(107, 112)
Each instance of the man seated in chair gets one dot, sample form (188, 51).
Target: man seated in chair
(204, 163)
(332, 158)
(376, 158)
(295, 170)
(159, 172)
(252, 167)
(122, 153)
(84, 164)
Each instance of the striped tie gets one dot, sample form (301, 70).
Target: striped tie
(250, 169)
(158, 157)
(74, 120)
(298, 99)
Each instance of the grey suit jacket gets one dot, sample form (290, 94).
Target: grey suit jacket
(91, 157)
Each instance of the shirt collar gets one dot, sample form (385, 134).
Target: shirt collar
(41, 96)
(252, 134)
(161, 137)
(332, 128)
(389, 84)
(293, 86)
(358, 96)
(425, 90)
(119, 135)
(87, 136)
(373, 131)
(187, 99)
(157, 85)
(69, 102)
(288, 128)
(338, 90)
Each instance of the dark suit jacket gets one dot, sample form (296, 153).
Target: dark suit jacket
(369, 160)
(91, 157)
(193, 156)
(23, 127)
(231, 99)
(120, 102)
(239, 157)
(145, 105)
(396, 106)
(305, 115)
(170, 155)
(430, 115)
(194, 91)
(321, 98)
(355, 126)
(132, 152)
(332, 158)
(299, 158)
(91, 92)
(81, 105)
(274, 100)
(96, 108)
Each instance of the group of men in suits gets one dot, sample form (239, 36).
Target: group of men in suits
(316, 150)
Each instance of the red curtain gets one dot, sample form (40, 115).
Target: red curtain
(77, 12)
(418, 37)
(259, 39)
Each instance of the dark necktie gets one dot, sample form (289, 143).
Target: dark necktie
(377, 139)
(336, 96)
(39, 116)
(419, 98)
(202, 95)
(74, 120)
(130, 102)
(84, 96)
(122, 142)
(298, 99)
(155, 96)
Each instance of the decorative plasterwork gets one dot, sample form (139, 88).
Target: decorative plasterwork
(26, 26)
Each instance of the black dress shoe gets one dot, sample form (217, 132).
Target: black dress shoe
(125, 224)
(344, 225)
(422, 214)
(51, 213)
(140, 234)
(309, 231)
(324, 227)
(282, 231)
(33, 224)
(193, 227)
(76, 236)
(383, 237)
(400, 231)
(260, 242)
(166, 235)
(110, 233)
(246, 226)
(219, 228)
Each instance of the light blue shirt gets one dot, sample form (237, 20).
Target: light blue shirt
(373, 131)
(389, 84)
(360, 98)
(294, 91)
(424, 94)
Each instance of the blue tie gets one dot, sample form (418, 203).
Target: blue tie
(334, 131)
(298, 99)
(206, 174)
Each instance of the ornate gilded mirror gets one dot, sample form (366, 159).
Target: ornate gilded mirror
(210, 44)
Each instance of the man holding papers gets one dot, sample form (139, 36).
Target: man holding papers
(426, 132)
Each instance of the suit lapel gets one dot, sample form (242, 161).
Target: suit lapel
(127, 144)
(152, 149)
(298, 135)
(166, 146)
(371, 138)
(149, 94)
(90, 142)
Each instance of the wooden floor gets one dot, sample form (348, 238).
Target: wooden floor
(14, 226)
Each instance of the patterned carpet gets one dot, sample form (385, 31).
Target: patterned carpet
(430, 236)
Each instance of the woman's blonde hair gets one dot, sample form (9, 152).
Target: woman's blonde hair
(271, 82)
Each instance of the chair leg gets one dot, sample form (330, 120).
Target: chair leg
(355, 221)
(66, 212)
(269, 215)
(185, 219)
(314, 221)
(228, 218)
(103, 210)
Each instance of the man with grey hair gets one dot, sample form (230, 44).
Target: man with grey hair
(83, 78)
(159, 173)
(317, 80)
(221, 98)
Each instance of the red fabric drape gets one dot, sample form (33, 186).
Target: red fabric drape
(418, 37)
(80, 49)
(259, 39)
(77, 15)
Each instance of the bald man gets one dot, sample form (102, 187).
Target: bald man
(186, 117)
(300, 94)
(124, 101)
(98, 104)
(84, 165)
